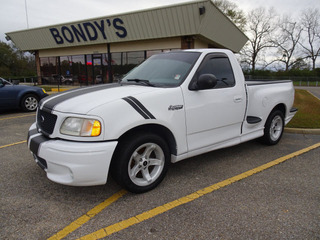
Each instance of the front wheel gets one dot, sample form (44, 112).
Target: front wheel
(273, 128)
(141, 162)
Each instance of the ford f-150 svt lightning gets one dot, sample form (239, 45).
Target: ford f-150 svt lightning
(173, 106)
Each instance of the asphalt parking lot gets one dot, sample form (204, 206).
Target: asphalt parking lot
(212, 196)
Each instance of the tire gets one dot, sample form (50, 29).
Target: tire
(29, 102)
(273, 128)
(141, 162)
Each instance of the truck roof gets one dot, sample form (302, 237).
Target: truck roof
(208, 50)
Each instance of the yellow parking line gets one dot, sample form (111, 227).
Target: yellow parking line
(85, 218)
(12, 144)
(104, 232)
(20, 116)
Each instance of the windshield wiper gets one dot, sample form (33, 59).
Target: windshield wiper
(137, 80)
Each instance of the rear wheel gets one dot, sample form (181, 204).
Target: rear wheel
(273, 128)
(141, 162)
(29, 103)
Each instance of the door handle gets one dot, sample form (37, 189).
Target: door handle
(237, 99)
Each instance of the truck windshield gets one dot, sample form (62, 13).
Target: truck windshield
(163, 70)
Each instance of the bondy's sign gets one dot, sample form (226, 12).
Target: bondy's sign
(87, 31)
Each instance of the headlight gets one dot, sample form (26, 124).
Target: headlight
(81, 127)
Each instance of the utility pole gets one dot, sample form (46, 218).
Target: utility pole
(25, 4)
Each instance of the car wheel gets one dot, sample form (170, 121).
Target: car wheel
(273, 128)
(141, 162)
(29, 103)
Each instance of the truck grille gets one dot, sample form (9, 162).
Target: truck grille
(46, 121)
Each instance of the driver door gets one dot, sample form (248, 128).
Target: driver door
(215, 115)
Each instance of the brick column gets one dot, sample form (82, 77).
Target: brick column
(187, 42)
(37, 59)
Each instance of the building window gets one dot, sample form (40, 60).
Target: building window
(78, 69)
(91, 68)
(135, 58)
(49, 68)
(124, 62)
(150, 53)
(66, 70)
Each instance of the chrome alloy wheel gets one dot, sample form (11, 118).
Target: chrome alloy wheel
(276, 128)
(31, 103)
(146, 164)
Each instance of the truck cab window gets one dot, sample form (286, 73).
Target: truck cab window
(221, 68)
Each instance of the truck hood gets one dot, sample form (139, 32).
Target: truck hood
(82, 100)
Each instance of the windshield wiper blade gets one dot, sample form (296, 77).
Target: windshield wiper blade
(137, 80)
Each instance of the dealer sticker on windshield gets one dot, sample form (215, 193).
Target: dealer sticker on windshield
(177, 76)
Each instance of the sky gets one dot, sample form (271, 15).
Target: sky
(14, 13)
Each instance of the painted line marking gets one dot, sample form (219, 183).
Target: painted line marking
(13, 144)
(20, 116)
(104, 232)
(313, 95)
(85, 218)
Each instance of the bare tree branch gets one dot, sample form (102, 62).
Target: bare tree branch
(260, 28)
(289, 34)
(310, 21)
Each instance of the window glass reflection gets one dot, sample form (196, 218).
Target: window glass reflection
(91, 68)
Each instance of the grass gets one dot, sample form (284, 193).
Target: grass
(308, 115)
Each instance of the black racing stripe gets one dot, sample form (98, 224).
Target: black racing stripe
(55, 95)
(143, 108)
(75, 93)
(35, 143)
(136, 108)
(32, 132)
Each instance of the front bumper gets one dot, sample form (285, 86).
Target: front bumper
(72, 163)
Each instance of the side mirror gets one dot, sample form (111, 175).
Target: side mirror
(205, 81)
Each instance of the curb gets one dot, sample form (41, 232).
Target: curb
(302, 131)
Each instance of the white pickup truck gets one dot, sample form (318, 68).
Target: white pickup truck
(173, 106)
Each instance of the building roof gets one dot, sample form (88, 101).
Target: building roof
(197, 18)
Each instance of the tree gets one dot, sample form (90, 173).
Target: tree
(7, 59)
(310, 21)
(261, 25)
(289, 35)
(231, 10)
(300, 64)
(14, 62)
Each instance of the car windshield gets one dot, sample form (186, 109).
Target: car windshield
(4, 82)
(163, 70)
